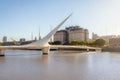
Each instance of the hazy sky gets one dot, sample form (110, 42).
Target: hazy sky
(19, 18)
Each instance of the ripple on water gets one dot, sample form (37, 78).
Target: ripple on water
(59, 65)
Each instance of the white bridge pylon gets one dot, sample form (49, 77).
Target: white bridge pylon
(40, 44)
(43, 43)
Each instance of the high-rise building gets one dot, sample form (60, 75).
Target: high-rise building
(39, 37)
(32, 36)
(4, 39)
(86, 34)
(61, 36)
(77, 33)
(71, 33)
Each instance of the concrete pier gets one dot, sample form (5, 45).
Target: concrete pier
(45, 50)
(1, 53)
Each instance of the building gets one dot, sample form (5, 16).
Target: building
(114, 42)
(77, 33)
(105, 37)
(4, 39)
(86, 34)
(71, 33)
(61, 36)
(22, 40)
(94, 36)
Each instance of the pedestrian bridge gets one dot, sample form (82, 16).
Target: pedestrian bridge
(75, 47)
(43, 43)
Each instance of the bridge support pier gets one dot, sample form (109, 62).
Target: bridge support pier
(1, 53)
(87, 50)
(45, 50)
(98, 50)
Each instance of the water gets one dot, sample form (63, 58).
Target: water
(62, 65)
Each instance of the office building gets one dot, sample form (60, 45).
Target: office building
(77, 33)
(72, 33)
(61, 36)
(4, 39)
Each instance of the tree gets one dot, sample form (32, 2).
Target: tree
(75, 42)
(99, 42)
(82, 43)
(57, 42)
(0, 44)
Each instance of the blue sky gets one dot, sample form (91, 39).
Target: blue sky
(19, 18)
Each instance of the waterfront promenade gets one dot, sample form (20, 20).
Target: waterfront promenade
(59, 65)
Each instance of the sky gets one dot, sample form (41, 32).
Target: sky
(21, 18)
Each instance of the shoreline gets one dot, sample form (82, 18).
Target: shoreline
(111, 49)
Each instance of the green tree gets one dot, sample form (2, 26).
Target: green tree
(57, 42)
(75, 42)
(90, 43)
(99, 42)
(0, 44)
(82, 42)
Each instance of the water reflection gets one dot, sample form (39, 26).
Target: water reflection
(31, 65)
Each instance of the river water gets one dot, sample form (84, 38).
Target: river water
(59, 65)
